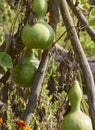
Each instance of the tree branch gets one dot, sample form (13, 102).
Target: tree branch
(81, 57)
(54, 13)
(36, 87)
(82, 19)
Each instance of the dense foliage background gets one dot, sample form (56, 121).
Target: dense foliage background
(53, 101)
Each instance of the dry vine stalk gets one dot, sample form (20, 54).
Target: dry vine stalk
(81, 57)
(54, 13)
(36, 87)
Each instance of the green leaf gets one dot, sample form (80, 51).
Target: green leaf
(5, 60)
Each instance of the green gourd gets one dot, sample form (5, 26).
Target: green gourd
(23, 73)
(76, 119)
(39, 7)
(39, 36)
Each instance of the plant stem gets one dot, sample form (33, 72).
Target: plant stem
(81, 57)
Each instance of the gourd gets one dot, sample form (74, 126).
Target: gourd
(38, 36)
(39, 7)
(41, 35)
(76, 119)
(23, 73)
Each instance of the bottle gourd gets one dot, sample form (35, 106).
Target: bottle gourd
(76, 119)
(25, 70)
(39, 7)
(41, 35)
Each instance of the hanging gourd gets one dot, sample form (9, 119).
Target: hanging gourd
(76, 119)
(41, 35)
(23, 73)
(39, 7)
(38, 36)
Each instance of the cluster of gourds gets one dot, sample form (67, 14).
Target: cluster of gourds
(76, 119)
(38, 36)
(41, 36)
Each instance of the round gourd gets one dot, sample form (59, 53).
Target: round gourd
(25, 70)
(76, 119)
(39, 36)
(39, 7)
